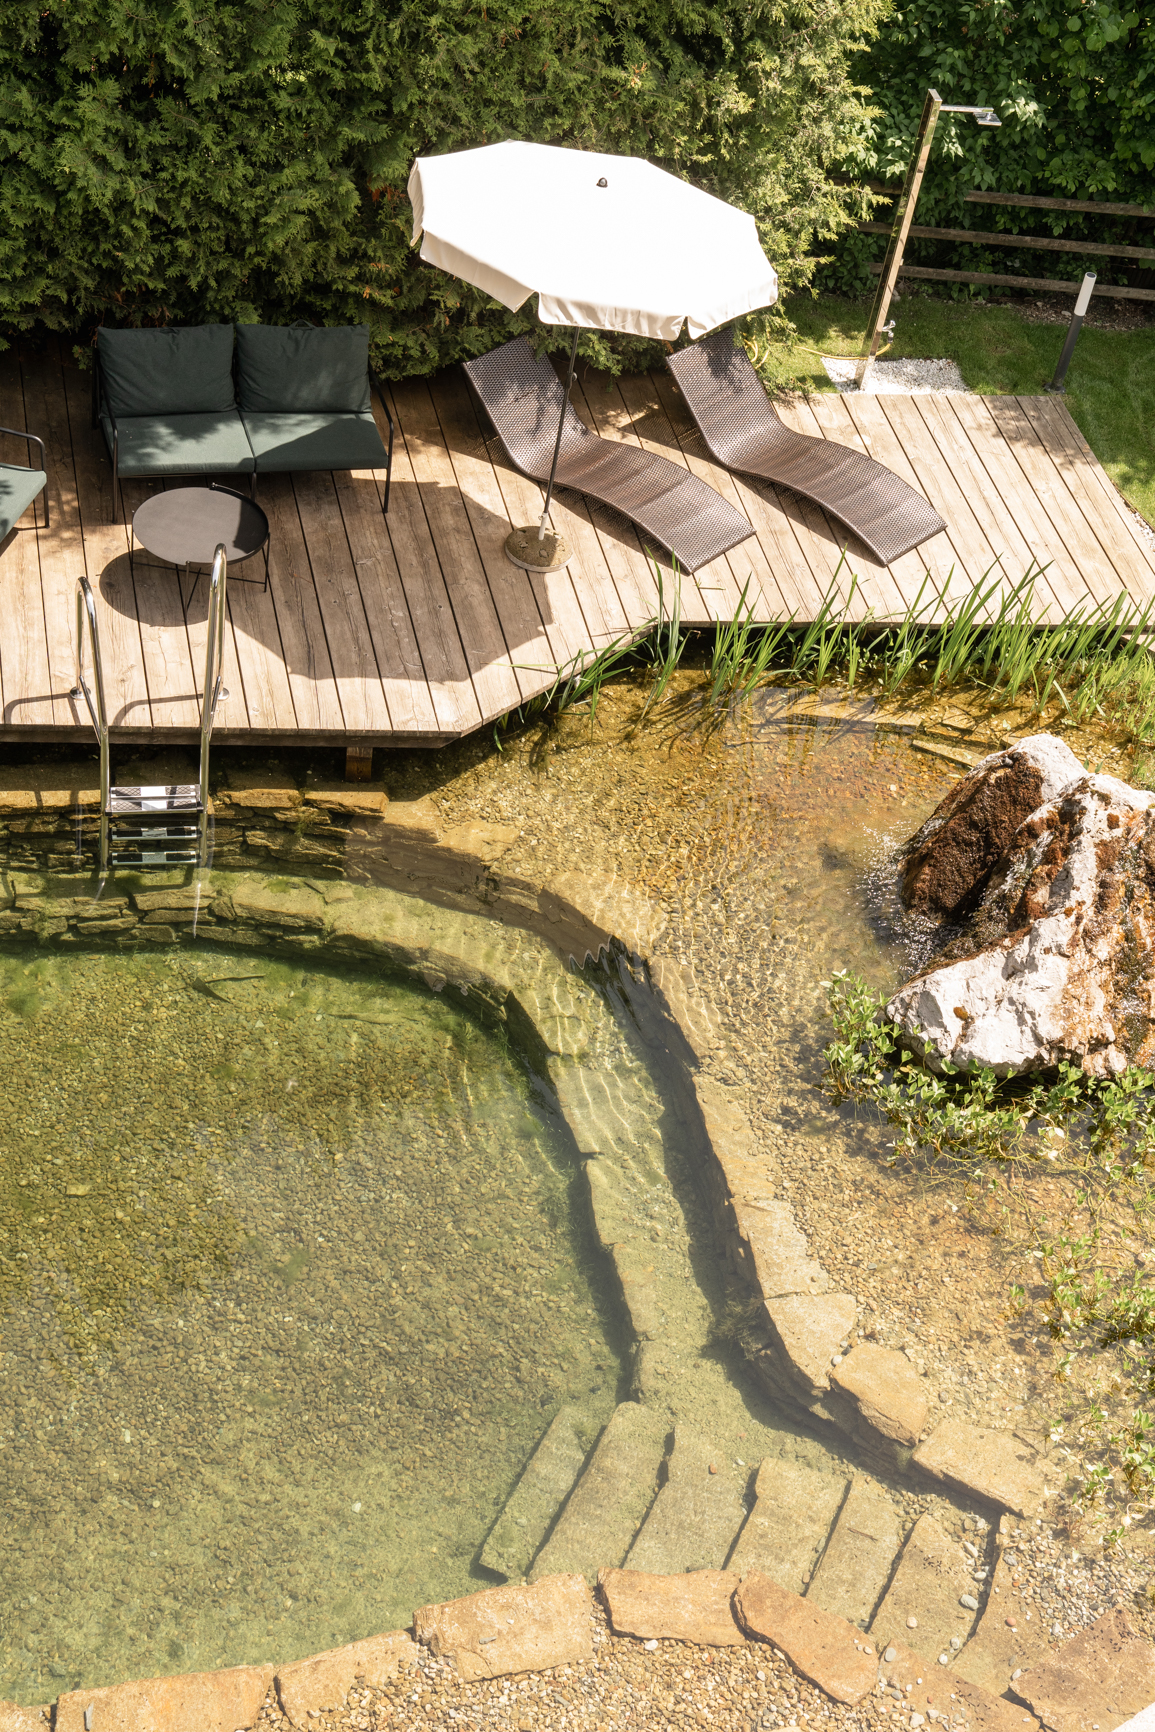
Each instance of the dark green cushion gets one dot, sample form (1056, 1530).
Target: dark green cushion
(181, 445)
(18, 488)
(182, 370)
(297, 369)
(288, 442)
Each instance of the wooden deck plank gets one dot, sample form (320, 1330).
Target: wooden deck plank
(106, 561)
(447, 669)
(316, 701)
(173, 685)
(976, 502)
(351, 650)
(771, 594)
(1092, 494)
(486, 651)
(897, 585)
(407, 694)
(1031, 490)
(536, 638)
(371, 627)
(25, 677)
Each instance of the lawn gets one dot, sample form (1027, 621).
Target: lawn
(1110, 387)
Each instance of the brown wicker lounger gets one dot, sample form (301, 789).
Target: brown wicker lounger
(523, 397)
(726, 398)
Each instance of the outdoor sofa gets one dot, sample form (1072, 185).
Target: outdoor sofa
(254, 400)
(20, 485)
(523, 397)
(737, 420)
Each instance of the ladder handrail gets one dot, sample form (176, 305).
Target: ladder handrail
(214, 670)
(86, 613)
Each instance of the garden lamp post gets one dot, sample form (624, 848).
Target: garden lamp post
(904, 216)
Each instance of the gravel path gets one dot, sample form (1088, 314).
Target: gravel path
(899, 377)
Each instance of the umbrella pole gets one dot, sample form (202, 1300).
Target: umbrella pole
(567, 387)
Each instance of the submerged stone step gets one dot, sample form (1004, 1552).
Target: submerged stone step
(694, 1518)
(1005, 1640)
(610, 1500)
(786, 1530)
(929, 1585)
(856, 1565)
(549, 1476)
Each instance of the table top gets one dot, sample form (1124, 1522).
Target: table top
(186, 525)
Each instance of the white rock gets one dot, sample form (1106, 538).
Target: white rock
(1056, 962)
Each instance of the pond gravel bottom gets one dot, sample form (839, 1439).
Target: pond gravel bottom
(289, 1276)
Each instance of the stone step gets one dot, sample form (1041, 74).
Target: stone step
(855, 1567)
(694, 1518)
(547, 1480)
(794, 1510)
(609, 1502)
(923, 1604)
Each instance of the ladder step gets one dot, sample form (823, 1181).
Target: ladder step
(176, 797)
(153, 857)
(156, 833)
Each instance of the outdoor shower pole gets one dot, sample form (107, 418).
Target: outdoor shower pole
(904, 216)
(570, 376)
(1082, 302)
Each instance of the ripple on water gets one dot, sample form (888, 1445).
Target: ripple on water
(290, 1285)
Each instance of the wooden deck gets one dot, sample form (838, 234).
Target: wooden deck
(416, 630)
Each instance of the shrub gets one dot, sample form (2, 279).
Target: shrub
(166, 161)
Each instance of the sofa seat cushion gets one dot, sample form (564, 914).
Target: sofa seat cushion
(303, 369)
(18, 488)
(290, 442)
(181, 445)
(178, 370)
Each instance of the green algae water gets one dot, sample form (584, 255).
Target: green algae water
(291, 1280)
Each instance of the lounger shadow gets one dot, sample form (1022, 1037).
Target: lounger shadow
(523, 398)
(737, 420)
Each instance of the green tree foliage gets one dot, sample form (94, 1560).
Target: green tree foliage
(1074, 84)
(183, 160)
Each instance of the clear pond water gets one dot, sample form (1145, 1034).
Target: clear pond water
(290, 1281)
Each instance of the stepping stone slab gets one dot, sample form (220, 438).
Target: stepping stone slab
(996, 1466)
(14, 1719)
(823, 1647)
(886, 1389)
(194, 1702)
(931, 1578)
(933, 1689)
(324, 1680)
(610, 1500)
(1005, 1639)
(805, 1335)
(693, 1607)
(780, 1253)
(785, 1531)
(555, 1464)
(693, 1520)
(512, 1629)
(859, 1555)
(1098, 1678)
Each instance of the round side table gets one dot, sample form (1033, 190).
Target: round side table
(186, 525)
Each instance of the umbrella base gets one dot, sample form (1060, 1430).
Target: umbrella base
(523, 548)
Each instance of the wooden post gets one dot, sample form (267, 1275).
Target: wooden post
(358, 763)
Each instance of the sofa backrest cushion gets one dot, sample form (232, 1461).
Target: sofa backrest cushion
(288, 369)
(178, 370)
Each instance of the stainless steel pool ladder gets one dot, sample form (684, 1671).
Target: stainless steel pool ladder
(166, 825)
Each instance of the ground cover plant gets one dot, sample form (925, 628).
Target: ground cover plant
(247, 159)
(1110, 385)
(987, 1140)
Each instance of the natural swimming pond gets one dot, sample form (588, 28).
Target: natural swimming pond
(290, 1272)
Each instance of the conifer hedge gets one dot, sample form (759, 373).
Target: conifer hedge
(193, 160)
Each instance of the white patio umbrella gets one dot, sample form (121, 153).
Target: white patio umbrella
(607, 243)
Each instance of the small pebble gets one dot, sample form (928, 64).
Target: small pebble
(912, 1623)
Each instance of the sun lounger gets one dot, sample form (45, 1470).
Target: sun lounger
(727, 399)
(523, 398)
